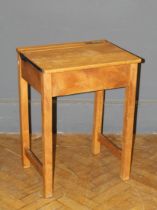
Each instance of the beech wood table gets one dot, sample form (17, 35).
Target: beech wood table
(70, 68)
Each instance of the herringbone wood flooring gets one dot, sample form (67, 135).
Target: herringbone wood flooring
(82, 181)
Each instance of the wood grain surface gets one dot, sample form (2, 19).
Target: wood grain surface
(82, 181)
(76, 56)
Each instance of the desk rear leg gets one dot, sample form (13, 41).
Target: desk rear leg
(98, 118)
(24, 114)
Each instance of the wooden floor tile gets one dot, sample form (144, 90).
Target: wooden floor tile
(83, 181)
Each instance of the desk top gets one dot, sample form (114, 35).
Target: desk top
(78, 55)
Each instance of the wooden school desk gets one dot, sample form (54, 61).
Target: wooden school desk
(70, 68)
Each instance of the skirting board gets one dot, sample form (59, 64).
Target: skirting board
(75, 116)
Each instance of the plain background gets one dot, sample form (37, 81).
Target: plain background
(130, 24)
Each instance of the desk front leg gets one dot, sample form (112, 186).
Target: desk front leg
(47, 138)
(127, 142)
(24, 114)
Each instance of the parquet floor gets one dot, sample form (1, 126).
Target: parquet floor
(82, 181)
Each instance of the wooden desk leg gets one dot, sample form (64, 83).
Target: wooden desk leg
(47, 135)
(24, 114)
(98, 115)
(130, 101)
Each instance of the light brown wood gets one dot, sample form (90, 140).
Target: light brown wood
(24, 114)
(58, 70)
(34, 160)
(55, 46)
(72, 82)
(31, 75)
(83, 182)
(127, 143)
(85, 55)
(98, 117)
(47, 135)
(109, 144)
